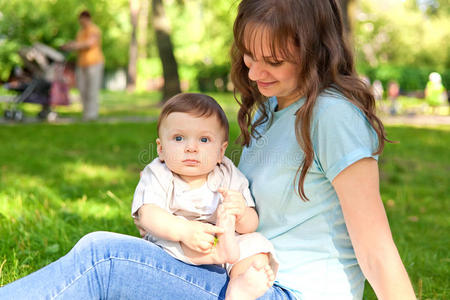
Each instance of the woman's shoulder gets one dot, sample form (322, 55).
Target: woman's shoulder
(333, 104)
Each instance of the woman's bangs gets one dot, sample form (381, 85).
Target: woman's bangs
(253, 37)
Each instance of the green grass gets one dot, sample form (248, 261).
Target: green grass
(59, 182)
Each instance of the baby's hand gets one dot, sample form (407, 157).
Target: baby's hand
(233, 202)
(200, 236)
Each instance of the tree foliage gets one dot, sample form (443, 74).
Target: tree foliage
(397, 39)
(402, 40)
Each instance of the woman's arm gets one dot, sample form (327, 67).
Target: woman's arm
(357, 187)
(74, 45)
(248, 222)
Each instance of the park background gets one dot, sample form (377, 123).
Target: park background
(61, 180)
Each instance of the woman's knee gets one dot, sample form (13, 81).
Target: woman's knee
(98, 243)
(93, 238)
(108, 245)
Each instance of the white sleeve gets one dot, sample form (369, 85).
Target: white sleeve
(150, 190)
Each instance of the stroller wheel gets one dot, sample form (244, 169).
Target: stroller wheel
(52, 116)
(8, 114)
(18, 115)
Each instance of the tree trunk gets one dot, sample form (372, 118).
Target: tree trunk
(143, 28)
(165, 49)
(133, 52)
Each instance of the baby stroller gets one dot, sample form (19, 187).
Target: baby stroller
(42, 81)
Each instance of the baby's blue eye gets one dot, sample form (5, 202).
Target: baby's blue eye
(178, 138)
(204, 140)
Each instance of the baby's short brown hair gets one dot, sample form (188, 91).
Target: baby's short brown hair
(199, 105)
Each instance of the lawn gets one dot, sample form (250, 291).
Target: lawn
(61, 181)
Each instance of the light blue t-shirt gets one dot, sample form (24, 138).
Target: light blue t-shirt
(317, 260)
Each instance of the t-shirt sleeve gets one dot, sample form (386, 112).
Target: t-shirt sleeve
(341, 136)
(148, 191)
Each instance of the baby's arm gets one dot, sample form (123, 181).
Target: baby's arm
(246, 217)
(195, 235)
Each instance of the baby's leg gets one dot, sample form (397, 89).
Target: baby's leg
(199, 258)
(227, 248)
(250, 278)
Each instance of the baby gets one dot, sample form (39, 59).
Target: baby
(194, 203)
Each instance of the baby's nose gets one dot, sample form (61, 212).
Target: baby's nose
(191, 147)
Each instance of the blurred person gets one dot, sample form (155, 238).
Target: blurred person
(393, 92)
(377, 90)
(89, 72)
(435, 93)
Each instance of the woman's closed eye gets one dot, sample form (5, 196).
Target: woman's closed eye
(275, 63)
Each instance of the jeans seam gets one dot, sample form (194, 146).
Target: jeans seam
(135, 261)
(81, 275)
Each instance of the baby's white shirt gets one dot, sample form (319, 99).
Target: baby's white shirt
(200, 202)
(159, 186)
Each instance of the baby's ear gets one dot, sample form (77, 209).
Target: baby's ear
(222, 150)
(159, 149)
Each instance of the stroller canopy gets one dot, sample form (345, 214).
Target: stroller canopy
(39, 58)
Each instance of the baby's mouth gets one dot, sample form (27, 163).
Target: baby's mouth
(191, 162)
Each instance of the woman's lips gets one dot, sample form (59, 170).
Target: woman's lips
(265, 84)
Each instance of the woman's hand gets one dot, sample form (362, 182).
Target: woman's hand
(200, 236)
(233, 203)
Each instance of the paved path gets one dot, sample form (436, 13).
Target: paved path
(72, 120)
(419, 120)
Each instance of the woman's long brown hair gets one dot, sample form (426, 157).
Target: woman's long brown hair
(322, 53)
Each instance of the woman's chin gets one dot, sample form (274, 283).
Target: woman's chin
(266, 93)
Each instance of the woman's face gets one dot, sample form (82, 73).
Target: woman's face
(274, 76)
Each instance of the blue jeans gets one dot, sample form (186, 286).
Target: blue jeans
(105, 265)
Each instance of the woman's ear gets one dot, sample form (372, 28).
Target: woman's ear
(159, 149)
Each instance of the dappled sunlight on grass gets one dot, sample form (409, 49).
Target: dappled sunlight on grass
(20, 191)
(110, 207)
(74, 172)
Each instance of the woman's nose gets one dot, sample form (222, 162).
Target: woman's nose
(256, 71)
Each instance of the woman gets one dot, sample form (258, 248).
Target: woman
(310, 157)
(90, 63)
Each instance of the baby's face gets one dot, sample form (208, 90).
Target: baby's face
(191, 146)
